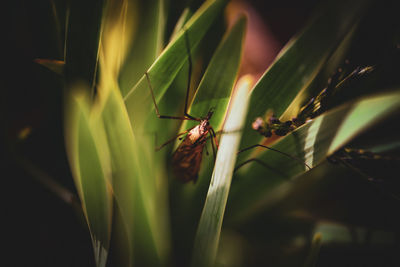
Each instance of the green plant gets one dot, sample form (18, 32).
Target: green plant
(129, 198)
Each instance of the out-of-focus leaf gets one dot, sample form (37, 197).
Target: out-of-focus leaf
(122, 153)
(90, 164)
(186, 14)
(140, 203)
(146, 45)
(314, 251)
(134, 183)
(337, 233)
(312, 142)
(118, 27)
(138, 199)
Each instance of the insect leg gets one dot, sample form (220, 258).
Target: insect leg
(189, 75)
(273, 149)
(212, 135)
(156, 107)
(205, 147)
(228, 132)
(215, 133)
(261, 163)
(173, 139)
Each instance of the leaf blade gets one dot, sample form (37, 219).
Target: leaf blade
(167, 65)
(208, 232)
(89, 161)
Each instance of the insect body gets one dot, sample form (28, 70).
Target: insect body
(186, 159)
(314, 107)
(272, 126)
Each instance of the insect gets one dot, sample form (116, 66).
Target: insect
(314, 107)
(186, 160)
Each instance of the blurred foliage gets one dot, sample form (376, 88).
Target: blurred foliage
(88, 68)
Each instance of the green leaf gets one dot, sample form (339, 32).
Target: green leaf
(186, 14)
(209, 230)
(122, 153)
(312, 142)
(146, 45)
(215, 88)
(140, 201)
(300, 61)
(168, 64)
(361, 117)
(215, 91)
(90, 164)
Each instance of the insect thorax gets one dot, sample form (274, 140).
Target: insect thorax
(199, 132)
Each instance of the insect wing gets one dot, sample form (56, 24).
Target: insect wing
(186, 161)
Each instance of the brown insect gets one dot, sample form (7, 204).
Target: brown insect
(186, 160)
(315, 106)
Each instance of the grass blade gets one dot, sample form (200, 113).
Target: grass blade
(90, 164)
(361, 117)
(215, 90)
(146, 46)
(140, 201)
(208, 233)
